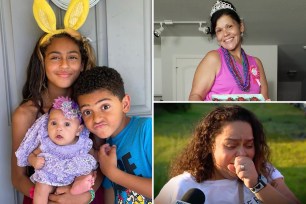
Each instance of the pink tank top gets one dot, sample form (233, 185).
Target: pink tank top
(225, 83)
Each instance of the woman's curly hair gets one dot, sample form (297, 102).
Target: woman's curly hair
(197, 158)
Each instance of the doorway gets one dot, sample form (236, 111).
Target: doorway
(185, 67)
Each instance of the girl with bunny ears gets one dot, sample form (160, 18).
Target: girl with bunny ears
(58, 59)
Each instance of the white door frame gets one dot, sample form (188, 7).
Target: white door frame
(174, 70)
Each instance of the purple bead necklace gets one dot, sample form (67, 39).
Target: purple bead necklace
(243, 82)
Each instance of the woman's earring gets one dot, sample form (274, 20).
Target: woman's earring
(241, 34)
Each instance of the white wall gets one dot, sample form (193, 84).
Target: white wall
(129, 49)
(158, 83)
(174, 46)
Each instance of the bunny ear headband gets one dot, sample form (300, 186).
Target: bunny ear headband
(75, 17)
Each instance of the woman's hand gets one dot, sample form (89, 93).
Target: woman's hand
(245, 169)
(62, 195)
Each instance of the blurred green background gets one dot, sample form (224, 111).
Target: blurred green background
(284, 124)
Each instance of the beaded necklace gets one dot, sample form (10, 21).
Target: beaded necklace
(232, 66)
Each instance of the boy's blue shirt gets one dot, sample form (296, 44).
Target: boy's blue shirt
(134, 156)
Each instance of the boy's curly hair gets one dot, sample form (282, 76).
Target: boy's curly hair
(197, 157)
(97, 78)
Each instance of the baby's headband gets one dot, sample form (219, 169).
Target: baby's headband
(219, 5)
(68, 107)
(75, 17)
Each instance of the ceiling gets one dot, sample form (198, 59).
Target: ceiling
(268, 22)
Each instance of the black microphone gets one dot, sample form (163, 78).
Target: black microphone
(192, 196)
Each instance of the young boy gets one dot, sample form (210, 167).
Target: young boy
(126, 159)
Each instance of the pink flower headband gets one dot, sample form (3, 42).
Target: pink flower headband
(68, 107)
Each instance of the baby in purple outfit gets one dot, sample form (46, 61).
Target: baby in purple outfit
(64, 147)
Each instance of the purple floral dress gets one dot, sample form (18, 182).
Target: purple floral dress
(62, 163)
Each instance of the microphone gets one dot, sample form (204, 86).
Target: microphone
(192, 196)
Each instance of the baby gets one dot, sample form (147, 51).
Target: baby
(63, 151)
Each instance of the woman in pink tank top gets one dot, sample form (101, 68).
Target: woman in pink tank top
(228, 70)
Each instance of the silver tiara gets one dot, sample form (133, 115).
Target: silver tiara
(219, 5)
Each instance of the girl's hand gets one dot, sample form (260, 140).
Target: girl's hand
(245, 169)
(62, 195)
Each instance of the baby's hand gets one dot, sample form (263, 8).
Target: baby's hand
(36, 161)
(39, 162)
